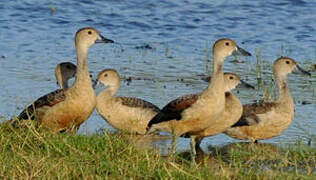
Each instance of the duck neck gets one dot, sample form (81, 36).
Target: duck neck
(113, 89)
(284, 92)
(108, 93)
(59, 77)
(64, 84)
(60, 80)
(216, 84)
(82, 75)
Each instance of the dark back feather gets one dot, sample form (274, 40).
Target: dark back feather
(174, 109)
(136, 102)
(250, 112)
(49, 99)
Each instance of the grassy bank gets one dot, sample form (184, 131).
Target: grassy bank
(33, 154)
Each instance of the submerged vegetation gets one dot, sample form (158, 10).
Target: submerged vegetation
(268, 88)
(38, 154)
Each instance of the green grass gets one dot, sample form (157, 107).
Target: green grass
(30, 153)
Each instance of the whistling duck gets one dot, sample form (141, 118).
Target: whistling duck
(64, 71)
(182, 116)
(123, 113)
(268, 119)
(232, 112)
(64, 110)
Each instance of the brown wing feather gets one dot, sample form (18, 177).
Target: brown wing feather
(180, 104)
(174, 109)
(49, 99)
(258, 108)
(136, 102)
(250, 112)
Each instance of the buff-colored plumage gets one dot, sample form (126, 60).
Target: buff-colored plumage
(123, 113)
(232, 112)
(64, 110)
(268, 119)
(207, 108)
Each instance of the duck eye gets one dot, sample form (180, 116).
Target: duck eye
(287, 62)
(227, 43)
(105, 75)
(231, 77)
(89, 32)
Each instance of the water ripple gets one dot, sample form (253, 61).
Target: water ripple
(36, 35)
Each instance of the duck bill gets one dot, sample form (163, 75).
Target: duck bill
(95, 83)
(241, 52)
(102, 39)
(303, 71)
(244, 84)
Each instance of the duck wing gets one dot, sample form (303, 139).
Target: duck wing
(174, 109)
(251, 112)
(138, 103)
(49, 99)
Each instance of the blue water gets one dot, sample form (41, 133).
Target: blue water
(36, 35)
